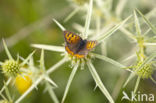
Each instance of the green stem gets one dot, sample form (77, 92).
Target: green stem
(69, 82)
(137, 84)
(99, 82)
(153, 79)
(71, 14)
(7, 83)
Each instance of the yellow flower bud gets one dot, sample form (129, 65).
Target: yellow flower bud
(22, 83)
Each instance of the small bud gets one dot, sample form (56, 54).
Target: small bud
(144, 72)
(10, 67)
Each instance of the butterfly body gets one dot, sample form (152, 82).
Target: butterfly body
(76, 46)
(81, 45)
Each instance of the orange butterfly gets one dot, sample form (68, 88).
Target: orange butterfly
(76, 46)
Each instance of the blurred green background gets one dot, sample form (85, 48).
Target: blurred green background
(25, 22)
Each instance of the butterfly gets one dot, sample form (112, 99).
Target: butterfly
(76, 46)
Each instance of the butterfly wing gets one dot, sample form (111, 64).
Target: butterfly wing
(72, 41)
(88, 47)
(71, 38)
(76, 46)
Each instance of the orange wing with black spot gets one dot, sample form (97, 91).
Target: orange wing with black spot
(73, 54)
(90, 45)
(71, 38)
(76, 46)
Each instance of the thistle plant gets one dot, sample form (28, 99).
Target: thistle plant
(143, 67)
(78, 5)
(39, 74)
(32, 77)
(11, 68)
(76, 62)
(8, 98)
(102, 19)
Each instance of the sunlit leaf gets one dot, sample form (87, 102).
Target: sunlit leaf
(42, 60)
(1, 63)
(71, 14)
(88, 19)
(26, 60)
(147, 22)
(7, 83)
(154, 81)
(120, 7)
(111, 31)
(150, 44)
(69, 82)
(7, 92)
(128, 33)
(59, 25)
(49, 47)
(51, 92)
(99, 82)
(131, 76)
(109, 60)
(137, 24)
(58, 64)
(6, 50)
(50, 81)
(137, 84)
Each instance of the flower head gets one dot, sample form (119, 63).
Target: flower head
(73, 49)
(144, 65)
(144, 72)
(11, 67)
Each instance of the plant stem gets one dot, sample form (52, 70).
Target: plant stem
(7, 83)
(137, 84)
(99, 82)
(53, 68)
(69, 82)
